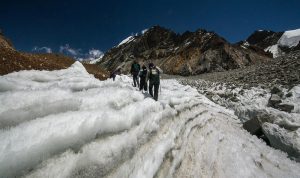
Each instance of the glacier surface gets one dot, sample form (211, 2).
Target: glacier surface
(66, 123)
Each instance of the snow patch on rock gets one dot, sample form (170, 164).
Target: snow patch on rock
(126, 40)
(274, 50)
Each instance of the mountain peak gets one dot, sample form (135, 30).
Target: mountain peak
(189, 53)
(159, 30)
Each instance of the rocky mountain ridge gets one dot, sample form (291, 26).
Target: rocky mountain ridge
(277, 43)
(12, 60)
(190, 53)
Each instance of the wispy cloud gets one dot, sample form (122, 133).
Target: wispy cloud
(78, 54)
(66, 49)
(95, 53)
(92, 55)
(42, 49)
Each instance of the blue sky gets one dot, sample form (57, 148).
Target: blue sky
(84, 25)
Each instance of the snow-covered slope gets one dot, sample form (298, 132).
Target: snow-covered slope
(68, 124)
(126, 40)
(280, 127)
(290, 38)
(96, 60)
(274, 50)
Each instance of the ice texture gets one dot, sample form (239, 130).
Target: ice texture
(290, 38)
(66, 123)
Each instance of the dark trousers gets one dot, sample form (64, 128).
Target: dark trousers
(156, 86)
(143, 83)
(135, 80)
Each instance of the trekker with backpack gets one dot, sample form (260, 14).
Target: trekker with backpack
(143, 78)
(154, 80)
(135, 69)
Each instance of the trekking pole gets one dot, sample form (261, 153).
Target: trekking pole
(160, 89)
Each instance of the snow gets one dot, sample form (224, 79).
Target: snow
(282, 139)
(96, 60)
(187, 43)
(290, 38)
(253, 103)
(274, 50)
(127, 40)
(295, 98)
(95, 56)
(66, 123)
(245, 45)
(144, 31)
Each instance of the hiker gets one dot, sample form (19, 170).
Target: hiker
(115, 73)
(143, 78)
(135, 69)
(154, 80)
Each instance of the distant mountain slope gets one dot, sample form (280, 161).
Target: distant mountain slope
(277, 43)
(189, 53)
(264, 38)
(11, 61)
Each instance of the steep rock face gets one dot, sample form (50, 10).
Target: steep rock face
(187, 54)
(264, 38)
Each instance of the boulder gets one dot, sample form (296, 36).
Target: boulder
(275, 90)
(282, 139)
(289, 94)
(286, 107)
(253, 126)
(274, 101)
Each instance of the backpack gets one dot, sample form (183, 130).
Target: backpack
(136, 67)
(143, 73)
(154, 75)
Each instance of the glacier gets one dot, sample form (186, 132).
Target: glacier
(66, 123)
(290, 38)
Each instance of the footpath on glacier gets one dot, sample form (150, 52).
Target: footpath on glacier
(66, 123)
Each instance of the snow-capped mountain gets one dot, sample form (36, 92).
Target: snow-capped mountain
(189, 53)
(277, 43)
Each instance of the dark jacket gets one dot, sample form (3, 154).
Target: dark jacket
(153, 75)
(143, 73)
(135, 68)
